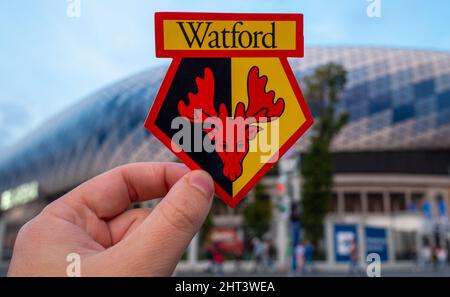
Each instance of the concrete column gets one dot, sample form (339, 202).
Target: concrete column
(361, 243)
(391, 245)
(364, 202)
(329, 243)
(296, 188)
(419, 245)
(192, 256)
(431, 198)
(408, 199)
(386, 202)
(341, 202)
(282, 241)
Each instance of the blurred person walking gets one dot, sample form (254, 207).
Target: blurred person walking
(309, 254)
(300, 257)
(353, 269)
(258, 254)
(434, 260)
(271, 255)
(218, 260)
(426, 257)
(441, 257)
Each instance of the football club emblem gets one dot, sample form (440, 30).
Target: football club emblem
(230, 103)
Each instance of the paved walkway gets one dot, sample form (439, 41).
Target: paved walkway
(388, 273)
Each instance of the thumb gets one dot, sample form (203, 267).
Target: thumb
(159, 242)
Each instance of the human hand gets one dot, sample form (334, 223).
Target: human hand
(94, 221)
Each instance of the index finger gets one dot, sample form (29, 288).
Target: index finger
(110, 193)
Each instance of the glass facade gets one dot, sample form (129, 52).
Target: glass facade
(396, 99)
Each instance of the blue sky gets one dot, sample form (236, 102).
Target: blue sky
(49, 61)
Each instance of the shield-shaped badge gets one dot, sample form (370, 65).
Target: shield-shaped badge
(229, 103)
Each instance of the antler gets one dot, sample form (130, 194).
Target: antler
(260, 103)
(203, 100)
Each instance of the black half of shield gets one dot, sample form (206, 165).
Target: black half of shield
(183, 83)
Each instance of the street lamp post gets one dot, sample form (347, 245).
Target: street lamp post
(288, 227)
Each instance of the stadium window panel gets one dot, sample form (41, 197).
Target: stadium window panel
(383, 84)
(380, 103)
(443, 100)
(380, 120)
(357, 75)
(425, 106)
(417, 199)
(403, 113)
(359, 111)
(355, 95)
(405, 245)
(443, 117)
(402, 96)
(405, 76)
(379, 86)
(352, 202)
(333, 205)
(443, 82)
(375, 202)
(424, 123)
(352, 75)
(397, 202)
(424, 88)
(402, 76)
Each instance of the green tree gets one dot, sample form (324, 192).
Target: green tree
(258, 213)
(323, 89)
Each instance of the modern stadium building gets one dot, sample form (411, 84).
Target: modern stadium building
(392, 160)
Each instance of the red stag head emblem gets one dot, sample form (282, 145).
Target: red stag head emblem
(231, 135)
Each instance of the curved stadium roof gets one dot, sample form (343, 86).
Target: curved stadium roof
(396, 99)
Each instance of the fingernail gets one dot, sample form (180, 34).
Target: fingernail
(203, 182)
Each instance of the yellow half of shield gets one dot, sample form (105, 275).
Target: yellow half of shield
(274, 134)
